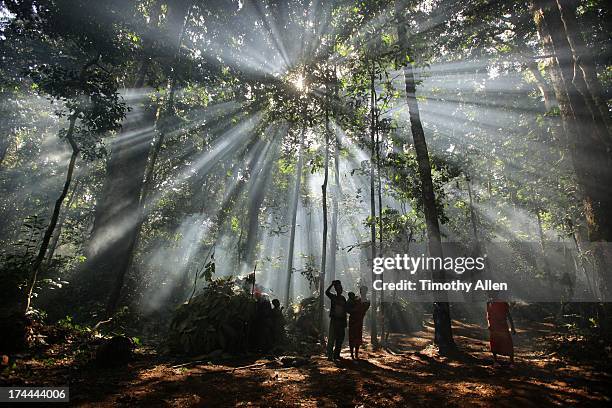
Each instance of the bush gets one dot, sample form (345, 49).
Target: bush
(216, 319)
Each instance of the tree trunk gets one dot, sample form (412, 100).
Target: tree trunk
(117, 212)
(441, 311)
(525, 56)
(54, 217)
(324, 244)
(585, 77)
(296, 198)
(147, 187)
(176, 26)
(552, 69)
(546, 265)
(478, 246)
(118, 215)
(380, 224)
(257, 194)
(337, 191)
(542, 85)
(577, 237)
(473, 216)
(4, 146)
(373, 314)
(60, 224)
(333, 237)
(589, 145)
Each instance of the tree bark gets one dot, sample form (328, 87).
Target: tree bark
(373, 313)
(4, 146)
(257, 194)
(381, 229)
(578, 238)
(337, 192)
(324, 243)
(589, 146)
(333, 237)
(118, 212)
(296, 198)
(54, 217)
(60, 224)
(176, 26)
(542, 85)
(441, 311)
(542, 237)
(585, 77)
(473, 215)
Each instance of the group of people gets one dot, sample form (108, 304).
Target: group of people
(268, 328)
(355, 308)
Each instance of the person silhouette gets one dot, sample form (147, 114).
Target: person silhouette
(498, 317)
(337, 321)
(357, 308)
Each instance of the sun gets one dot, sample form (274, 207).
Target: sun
(299, 83)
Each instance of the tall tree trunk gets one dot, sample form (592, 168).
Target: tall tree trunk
(4, 146)
(552, 68)
(60, 224)
(141, 213)
(296, 198)
(542, 85)
(541, 236)
(118, 213)
(441, 310)
(588, 142)
(337, 192)
(381, 229)
(257, 194)
(585, 77)
(333, 236)
(478, 246)
(473, 215)
(38, 262)
(324, 243)
(176, 23)
(373, 312)
(578, 238)
(165, 114)
(525, 56)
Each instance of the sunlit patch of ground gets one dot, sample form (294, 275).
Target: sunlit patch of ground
(407, 373)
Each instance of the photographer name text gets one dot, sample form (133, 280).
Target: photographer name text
(428, 285)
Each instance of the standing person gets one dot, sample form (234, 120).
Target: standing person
(263, 322)
(337, 321)
(498, 316)
(278, 323)
(357, 308)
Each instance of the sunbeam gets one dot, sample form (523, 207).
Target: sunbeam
(248, 181)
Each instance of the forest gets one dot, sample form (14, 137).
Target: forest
(200, 199)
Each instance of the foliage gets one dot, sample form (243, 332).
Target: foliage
(303, 321)
(217, 318)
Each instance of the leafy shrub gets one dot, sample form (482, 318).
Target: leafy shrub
(216, 319)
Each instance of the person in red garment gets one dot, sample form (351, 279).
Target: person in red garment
(357, 308)
(498, 316)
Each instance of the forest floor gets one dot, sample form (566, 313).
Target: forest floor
(407, 373)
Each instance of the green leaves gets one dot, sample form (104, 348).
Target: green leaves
(90, 94)
(215, 319)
